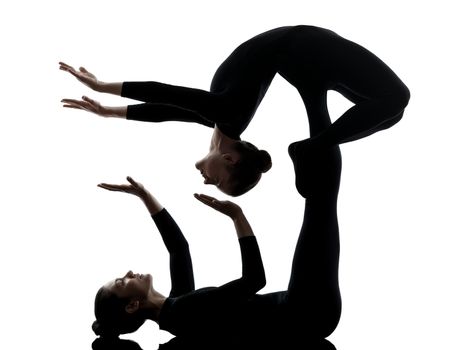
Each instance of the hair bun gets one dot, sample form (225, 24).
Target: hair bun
(97, 328)
(264, 159)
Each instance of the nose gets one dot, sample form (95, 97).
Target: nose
(197, 165)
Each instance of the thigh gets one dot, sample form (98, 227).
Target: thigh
(359, 74)
(320, 57)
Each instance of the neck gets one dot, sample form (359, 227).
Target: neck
(221, 141)
(154, 304)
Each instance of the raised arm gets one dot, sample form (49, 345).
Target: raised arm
(180, 262)
(253, 273)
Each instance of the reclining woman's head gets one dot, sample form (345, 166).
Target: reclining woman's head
(236, 171)
(120, 305)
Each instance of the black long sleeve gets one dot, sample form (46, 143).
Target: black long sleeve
(156, 112)
(210, 308)
(253, 273)
(166, 102)
(180, 262)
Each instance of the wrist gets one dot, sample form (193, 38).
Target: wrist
(153, 206)
(238, 217)
(145, 196)
(114, 112)
(109, 88)
(99, 86)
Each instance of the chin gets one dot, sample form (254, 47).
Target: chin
(148, 279)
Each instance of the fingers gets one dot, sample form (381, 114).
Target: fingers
(91, 103)
(207, 200)
(206, 197)
(113, 187)
(81, 73)
(134, 186)
(90, 100)
(64, 66)
(86, 103)
(70, 103)
(133, 182)
(67, 68)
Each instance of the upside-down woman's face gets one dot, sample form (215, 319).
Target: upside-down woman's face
(214, 169)
(131, 285)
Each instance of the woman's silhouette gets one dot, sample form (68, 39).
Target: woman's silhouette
(312, 59)
(310, 306)
(124, 303)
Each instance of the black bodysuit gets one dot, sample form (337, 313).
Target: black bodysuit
(313, 60)
(225, 310)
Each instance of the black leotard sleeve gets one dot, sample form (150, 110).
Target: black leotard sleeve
(253, 273)
(180, 261)
(166, 102)
(207, 308)
(157, 112)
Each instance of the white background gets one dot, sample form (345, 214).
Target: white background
(403, 200)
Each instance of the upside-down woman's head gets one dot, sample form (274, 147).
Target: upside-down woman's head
(118, 304)
(237, 171)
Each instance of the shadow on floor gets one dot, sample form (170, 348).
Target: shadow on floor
(221, 343)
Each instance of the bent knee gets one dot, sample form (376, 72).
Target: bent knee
(397, 102)
(402, 96)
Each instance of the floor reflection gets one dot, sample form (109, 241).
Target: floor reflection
(226, 342)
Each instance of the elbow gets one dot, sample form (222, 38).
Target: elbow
(261, 283)
(261, 280)
(256, 282)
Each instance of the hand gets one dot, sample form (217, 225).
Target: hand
(133, 187)
(226, 207)
(88, 105)
(137, 189)
(82, 75)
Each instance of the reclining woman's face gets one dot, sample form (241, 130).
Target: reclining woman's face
(131, 285)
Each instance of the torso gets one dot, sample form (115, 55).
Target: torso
(297, 53)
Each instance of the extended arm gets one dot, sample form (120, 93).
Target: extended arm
(164, 102)
(146, 112)
(180, 262)
(253, 274)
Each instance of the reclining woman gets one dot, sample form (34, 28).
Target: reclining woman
(235, 308)
(123, 304)
(314, 60)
